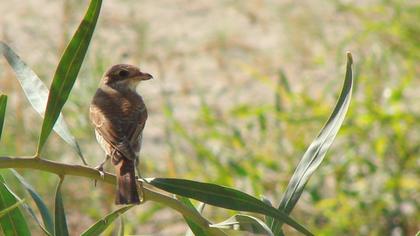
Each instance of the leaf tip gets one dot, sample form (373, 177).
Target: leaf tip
(349, 58)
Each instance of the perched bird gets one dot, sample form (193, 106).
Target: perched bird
(119, 115)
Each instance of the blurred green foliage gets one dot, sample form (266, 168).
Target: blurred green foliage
(367, 184)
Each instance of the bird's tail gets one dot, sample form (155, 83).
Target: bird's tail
(126, 183)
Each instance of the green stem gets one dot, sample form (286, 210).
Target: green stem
(62, 169)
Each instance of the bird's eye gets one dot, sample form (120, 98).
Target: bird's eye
(123, 73)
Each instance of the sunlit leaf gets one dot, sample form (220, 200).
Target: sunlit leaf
(121, 228)
(247, 223)
(195, 229)
(102, 224)
(60, 222)
(224, 197)
(13, 223)
(68, 69)
(3, 212)
(318, 148)
(3, 103)
(42, 207)
(37, 94)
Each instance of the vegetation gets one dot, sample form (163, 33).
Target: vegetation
(366, 185)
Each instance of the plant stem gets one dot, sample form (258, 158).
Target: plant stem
(62, 169)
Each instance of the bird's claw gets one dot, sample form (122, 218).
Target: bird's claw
(140, 190)
(100, 168)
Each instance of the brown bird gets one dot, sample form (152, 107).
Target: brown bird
(119, 115)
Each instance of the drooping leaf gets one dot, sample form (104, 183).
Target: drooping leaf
(37, 94)
(13, 223)
(68, 69)
(42, 207)
(195, 229)
(224, 197)
(246, 223)
(318, 148)
(3, 103)
(102, 224)
(60, 222)
(33, 215)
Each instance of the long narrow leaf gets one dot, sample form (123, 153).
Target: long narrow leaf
(37, 94)
(68, 69)
(33, 215)
(42, 207)
(10, 208)
(3, 103)
(318, 148)
(246, 223)
(60, 222)
(121, 228)
(220, 196)
(102, 224)
(268, 219)
(195, 229)
(13, 223)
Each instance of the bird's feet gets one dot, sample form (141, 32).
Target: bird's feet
(100, 168)
(140, 190)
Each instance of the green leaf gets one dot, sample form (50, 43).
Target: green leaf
(318, 148)
(224, 197)
(102, 224)
(42, 207)
(247, 223)
(32, 213)
(121, 228)
(195, 229)
(37, 94)
(13, 223)
(3, 103)
(10, 208)
(67, 70)
(60, 222)
(268, 219)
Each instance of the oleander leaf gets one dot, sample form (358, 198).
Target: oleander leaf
(60, 222)
(68, 69)
(13, 222)
(224, 197)
(3, 103)
(102, 224)
(195, 229)
(241, 222)
(315, 153)
(37, 94)
(5, 211)
(42, 207)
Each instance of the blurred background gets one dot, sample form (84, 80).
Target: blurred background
(241, 90)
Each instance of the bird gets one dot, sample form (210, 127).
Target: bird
(119, 115)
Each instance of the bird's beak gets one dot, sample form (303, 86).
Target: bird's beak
(143, 76)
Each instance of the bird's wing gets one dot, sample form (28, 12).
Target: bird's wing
(114, 131)
(136, 132)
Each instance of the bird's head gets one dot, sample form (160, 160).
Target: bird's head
(125, 76)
